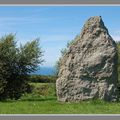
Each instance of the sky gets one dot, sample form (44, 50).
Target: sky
(54, 25)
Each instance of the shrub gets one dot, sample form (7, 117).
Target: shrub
(42, 79)
(15, 65)
(43, 89)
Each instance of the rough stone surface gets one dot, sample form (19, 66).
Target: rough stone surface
(88, 70)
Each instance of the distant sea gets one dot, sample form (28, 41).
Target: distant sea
(45, 71)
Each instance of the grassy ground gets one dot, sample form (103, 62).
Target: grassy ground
(49, 105)
(45, 102)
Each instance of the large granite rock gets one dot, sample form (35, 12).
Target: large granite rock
(88, 69)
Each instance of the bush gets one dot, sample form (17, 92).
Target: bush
(29, 88)
(43, 89)
(42, 79)
(15, 65)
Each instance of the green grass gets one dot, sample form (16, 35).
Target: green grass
(49, 105)
(45, 102)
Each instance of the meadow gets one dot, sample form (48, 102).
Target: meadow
(43, 100)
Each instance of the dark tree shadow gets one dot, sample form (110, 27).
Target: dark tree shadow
(40, 99)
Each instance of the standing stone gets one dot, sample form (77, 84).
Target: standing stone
(88, 70)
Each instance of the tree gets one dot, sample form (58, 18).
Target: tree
(16, 63)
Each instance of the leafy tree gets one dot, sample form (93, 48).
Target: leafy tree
(15, 65)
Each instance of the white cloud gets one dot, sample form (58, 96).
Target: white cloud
(28, 19)
(116, 38)
(115, 35)
(15, 20)
(56, 38)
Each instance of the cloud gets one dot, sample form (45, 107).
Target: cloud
(115, 35)
(116, 38)
(29, 19)
(25, 10)
(56, 38)
(15, 20)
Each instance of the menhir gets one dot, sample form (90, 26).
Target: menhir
(88, 70)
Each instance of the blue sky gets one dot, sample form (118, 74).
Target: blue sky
(54, 25)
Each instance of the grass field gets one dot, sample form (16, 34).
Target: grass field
(45, 102)
(49, 105)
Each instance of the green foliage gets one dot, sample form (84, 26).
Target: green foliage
(43, 89)
(40, 91)
(15, 65)
(42, 79)
(30, 56)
